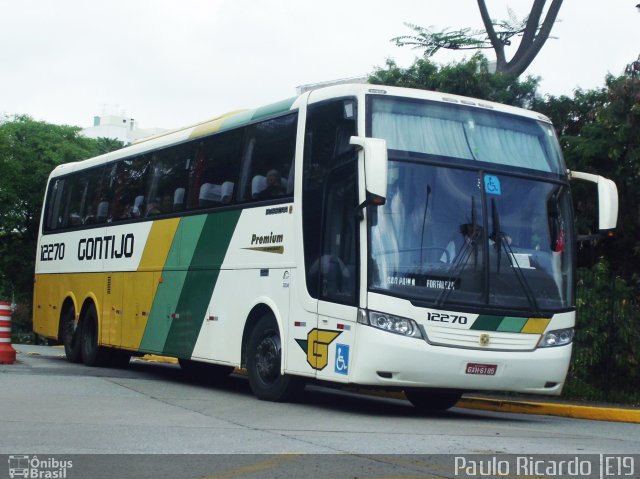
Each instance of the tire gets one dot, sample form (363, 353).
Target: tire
(205, 371)
(92, 353)
(431, 400)
(264, 362)
(70, 335)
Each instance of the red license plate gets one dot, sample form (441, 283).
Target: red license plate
(483, 369)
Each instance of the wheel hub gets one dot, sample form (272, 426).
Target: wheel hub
(268, 359)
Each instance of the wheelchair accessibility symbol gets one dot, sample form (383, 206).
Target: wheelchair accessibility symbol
(492, 185)
(342, 359)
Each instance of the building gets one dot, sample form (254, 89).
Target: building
(120, 128)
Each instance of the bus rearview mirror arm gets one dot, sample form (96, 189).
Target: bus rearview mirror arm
(607, 198)
(375, 169)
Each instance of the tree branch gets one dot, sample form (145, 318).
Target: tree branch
(522, 60)
(530, 30)
(498, 46)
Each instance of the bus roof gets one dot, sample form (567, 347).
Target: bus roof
(243, 117)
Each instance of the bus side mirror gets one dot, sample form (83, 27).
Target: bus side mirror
(375, 168)
(607, 198)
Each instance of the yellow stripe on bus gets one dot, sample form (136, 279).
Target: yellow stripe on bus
(158, 245)
(137, 308)
(535, 326)
(211, 126)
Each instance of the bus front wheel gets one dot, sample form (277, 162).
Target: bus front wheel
(430, 400)
(264, 360)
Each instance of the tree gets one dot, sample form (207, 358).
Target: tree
(105, 145)
(533, 31)
(29, 150)
(469, 78)
(600, 133)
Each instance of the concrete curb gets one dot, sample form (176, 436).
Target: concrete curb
(552, 409)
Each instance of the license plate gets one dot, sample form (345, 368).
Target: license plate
(483, 369)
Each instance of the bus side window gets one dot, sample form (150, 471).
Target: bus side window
(92, 196)
(169, 179)
(53, 209)
(129, 184)
(268, 157)
(215, 171)
(71, 196)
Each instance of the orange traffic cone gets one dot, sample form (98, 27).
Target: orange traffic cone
(7, 353)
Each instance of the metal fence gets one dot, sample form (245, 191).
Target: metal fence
(606, 355)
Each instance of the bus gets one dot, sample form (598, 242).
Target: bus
(355, 234)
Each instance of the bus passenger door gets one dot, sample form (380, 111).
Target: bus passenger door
(329, 224)
(338, 292)
(112, 309)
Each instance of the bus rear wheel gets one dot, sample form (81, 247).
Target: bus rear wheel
(264, 362)
(430, 400)
(70, 335)
(92, 353)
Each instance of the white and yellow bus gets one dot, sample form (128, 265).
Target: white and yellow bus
(375, 236)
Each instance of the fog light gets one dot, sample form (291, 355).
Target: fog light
(394, 324)
(559, 337)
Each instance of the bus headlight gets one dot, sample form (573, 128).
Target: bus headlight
(394, 324)
(559, 337)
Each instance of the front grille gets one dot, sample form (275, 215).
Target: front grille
(470, 339)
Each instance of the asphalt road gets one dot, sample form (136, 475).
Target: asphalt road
(49, 406)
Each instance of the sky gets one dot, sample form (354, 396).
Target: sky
(170, 63)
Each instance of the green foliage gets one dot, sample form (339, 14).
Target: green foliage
(29, 151)
(600, 133)
(469, 78)
(606, 354)
(425, 38)
(432, 41)
(106, 145)
(533, 32)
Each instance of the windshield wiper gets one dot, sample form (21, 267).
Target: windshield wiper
(470, 247)
(424, 222)
(500, 242)
(496, 235)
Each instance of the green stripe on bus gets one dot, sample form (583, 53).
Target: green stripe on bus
(174, 275)
(512, 325)
(237, 120)
(487, 323)
(505, 324)
(257, 114)
(273, 109)
(200, 282)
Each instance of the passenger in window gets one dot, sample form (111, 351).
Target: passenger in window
(74, 219)
(154, 207)
(274, 186)
(166, 206)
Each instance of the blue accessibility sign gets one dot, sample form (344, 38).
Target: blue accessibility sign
(342, 359)
(492, 185)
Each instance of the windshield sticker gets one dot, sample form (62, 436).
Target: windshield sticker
(423, 281)
(400, 281)
(521, 260)
(492, 185)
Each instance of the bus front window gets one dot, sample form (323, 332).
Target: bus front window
(445, 238)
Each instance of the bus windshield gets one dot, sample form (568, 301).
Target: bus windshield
(458, 236)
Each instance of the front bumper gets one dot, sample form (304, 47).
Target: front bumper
(391, 360)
